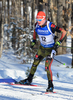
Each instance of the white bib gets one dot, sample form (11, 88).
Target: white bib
(46, 37)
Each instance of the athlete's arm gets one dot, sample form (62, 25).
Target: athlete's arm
(60, 30)
(34, 34)
(63, 35)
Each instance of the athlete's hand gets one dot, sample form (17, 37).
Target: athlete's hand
(57, 44)
(33, 43)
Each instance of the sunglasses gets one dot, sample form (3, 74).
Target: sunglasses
(40, 19)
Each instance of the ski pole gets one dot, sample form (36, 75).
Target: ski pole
(59, 61)
(66, 47)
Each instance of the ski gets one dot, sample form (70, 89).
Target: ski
(11, 81)
(32, 85)
(49, 92)
(24, 85)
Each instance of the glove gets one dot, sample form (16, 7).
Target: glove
(53, 53)
(33, 43)
(57, 44)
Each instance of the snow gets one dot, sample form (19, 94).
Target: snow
(10, 66)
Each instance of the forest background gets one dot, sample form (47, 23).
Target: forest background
(17, 20)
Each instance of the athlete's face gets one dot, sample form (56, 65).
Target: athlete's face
(41, 21)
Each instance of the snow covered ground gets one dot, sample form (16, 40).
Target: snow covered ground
(62, 76)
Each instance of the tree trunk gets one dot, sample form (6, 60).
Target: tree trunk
(0, 20)
(8, 10)
(53, 7)
(59, 19)
(72, 33)
(46, 8)
(25, 13)
(13, 10)
(40, 5)
(33, 16)
(1, 46)
(65, 22)
(14, 32)
(8, 20)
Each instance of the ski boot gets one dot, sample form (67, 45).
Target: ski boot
(26, 81)
(50, 87)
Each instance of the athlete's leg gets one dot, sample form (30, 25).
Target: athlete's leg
(37, 59)
(36, 62)
(48, 63)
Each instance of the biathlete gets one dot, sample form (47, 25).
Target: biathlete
(46, 33)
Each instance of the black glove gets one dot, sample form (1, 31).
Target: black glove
(33, 43)
(57, 44)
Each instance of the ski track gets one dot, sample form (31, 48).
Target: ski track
(63, 84)
(35, 93)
